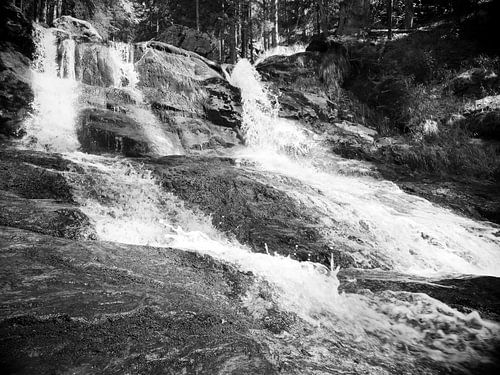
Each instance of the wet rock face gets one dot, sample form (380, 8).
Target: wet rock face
(466, 294)
(15, 29)
(191, 40)
(307, 83)
(35, 196)
(199, 134)
(16, 50)
(223, 105)
(109, 308)
(102, 131)
(256, 213)
(77, 29)
(94, 65)
(16, 94)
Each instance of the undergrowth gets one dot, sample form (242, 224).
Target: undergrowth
(408, 83)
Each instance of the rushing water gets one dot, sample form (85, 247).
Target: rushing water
(391, 332)
(56, 95)
(375, 220)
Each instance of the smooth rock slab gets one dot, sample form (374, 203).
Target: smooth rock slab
(256, 213)
(80, 307)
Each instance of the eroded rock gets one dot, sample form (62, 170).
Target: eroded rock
(257, 214)
(102, 131)
(35, 196)
(79, 30)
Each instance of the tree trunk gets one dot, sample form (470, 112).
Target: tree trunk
(274, 20)
(265, 31)
(323, 16)
(244, 28)
(409, 14)
(233, 32)
(390, 4)
(250, 31)
(197, 15)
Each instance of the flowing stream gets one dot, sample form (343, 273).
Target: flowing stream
(391, 332)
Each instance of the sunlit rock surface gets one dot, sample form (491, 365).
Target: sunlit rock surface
(77, 29)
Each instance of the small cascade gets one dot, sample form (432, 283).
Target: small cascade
(122, 55)
(52, 128)
(126, 77)
(374, 221)
(262, 127)
(128, 205)
(67, 59)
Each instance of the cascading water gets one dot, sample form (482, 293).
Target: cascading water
(330, 332)
(126, 77)
(262, 127)
(56, 95)
(373, 219)
(128, 206)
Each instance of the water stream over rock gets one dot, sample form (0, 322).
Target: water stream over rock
(312, 327)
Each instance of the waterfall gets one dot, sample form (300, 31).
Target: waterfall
(373, 220)
(67, 64)
(128, 205)
(56, 105)
(262, 127)
(122, 55)
(52, 127)
(340, 333)
(126, 76)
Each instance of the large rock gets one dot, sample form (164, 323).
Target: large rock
(191, 40)
(90, 307)
(95, 65)
(223, 105)
(173, 80)
(239, 204)
(188, 94)
(79, 30)
(466, 293)
(16, 94)
(199, 134)
(35, 196)
(104, 131)
(308, 83)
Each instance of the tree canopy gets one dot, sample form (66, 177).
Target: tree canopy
(241, 27)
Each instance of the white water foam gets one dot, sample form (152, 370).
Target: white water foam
(126, 77)
(374, 220)
(127, 205)
(338, 332)
(52, 128)
(264, 131)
